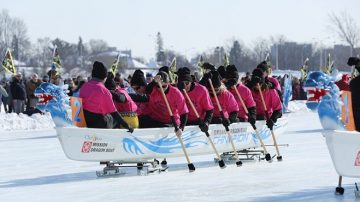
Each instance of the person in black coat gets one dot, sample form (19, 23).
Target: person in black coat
(18, 93)
(355, 91)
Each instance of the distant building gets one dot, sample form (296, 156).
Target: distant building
(290, 55)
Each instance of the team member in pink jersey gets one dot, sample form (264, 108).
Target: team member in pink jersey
(271, 98)
(227, 101)
(99, 109)
(231, 82)
(275, 83)
(138, 84)
(121, 98)
(157, 114)
(199, 96)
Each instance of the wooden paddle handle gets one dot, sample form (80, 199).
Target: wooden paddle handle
(165, 98)
(216, 98)
(241, 100)
(262, 97)
(191, 104)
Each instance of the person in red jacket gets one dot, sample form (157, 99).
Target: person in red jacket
(200, 98)
(99, 109)
(271, 98)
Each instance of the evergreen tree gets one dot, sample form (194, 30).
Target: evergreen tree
(160, 53)
(236, 54)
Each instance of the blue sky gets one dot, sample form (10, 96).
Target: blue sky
(187, 26)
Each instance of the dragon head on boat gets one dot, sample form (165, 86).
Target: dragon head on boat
(53, 99)
(323, 96)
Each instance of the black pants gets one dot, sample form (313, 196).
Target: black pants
(148, 122)
(112, 120)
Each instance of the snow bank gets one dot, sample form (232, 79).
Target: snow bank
(14, 122)
(297, 105)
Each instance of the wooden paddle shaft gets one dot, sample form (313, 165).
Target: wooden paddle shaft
(171, 114)
(216, 98)
(247, 112)
(241, 100)
(262, 98)
(220, 110)
(197, 116)
(272, 131)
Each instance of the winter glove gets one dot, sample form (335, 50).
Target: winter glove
(181, 86)
(226, 122)
(233, 117)
(204, 126)
(230, 83)
(178, 132)
(270, 124)
(183, 120)
(130, 129)
(252, 120)
(205, 79)
(208, 116)
(353, 61)
(252, 116)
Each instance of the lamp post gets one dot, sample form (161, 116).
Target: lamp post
(277, 56)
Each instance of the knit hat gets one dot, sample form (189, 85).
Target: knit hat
(164, 76)
(215, 79)
(232, 72)
(208, 66)
(184, 74)
(138, 78)
(99, 70)
(222, 71)
(263, 66)
(164, 69)
(110, 84)
(257, 75)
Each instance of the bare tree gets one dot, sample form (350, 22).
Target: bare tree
(43, 53)
(261, 48)
(13, 29)
(346, 29)
(98, 46)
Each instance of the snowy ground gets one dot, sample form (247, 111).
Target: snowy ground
(34, 168)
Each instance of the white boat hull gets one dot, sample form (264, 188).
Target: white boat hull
(344, 148)
(87, 144)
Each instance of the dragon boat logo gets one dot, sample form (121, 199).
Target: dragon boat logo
(93, 143)
(164, 145)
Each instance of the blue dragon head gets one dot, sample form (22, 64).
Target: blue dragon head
(323, 96)
(53, 99)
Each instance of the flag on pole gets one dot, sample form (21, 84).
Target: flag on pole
(268, 63)
(115, 64)
(226, 60)
(304, 69)
(172, 71)
(56, 64)
(329, 65)
(8, 62)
